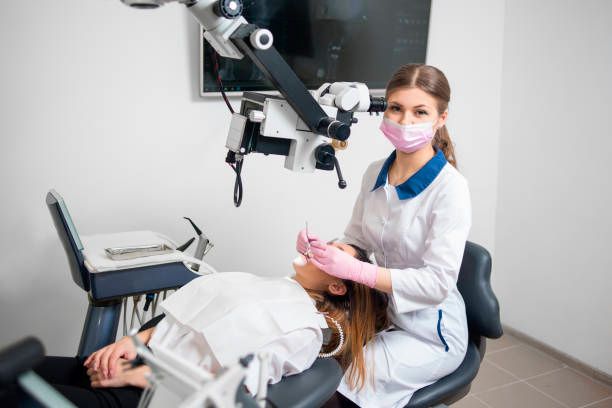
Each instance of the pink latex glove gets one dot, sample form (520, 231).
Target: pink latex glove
(340, 264)
(302, 241)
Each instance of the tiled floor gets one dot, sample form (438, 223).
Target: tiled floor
(514, 374)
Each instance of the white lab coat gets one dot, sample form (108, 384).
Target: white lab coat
(418, 230)
(216, 319)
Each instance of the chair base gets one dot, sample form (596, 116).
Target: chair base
(309, 389)
(452, 387)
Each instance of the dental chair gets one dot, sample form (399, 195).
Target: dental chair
(105, 290)
(482, 310)
(313, 387)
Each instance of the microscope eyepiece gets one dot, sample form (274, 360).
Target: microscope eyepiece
(377, 104)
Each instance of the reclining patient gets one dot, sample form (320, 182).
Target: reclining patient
(217, 319)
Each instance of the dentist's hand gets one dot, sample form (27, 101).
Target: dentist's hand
(338, 263)
(302, 241)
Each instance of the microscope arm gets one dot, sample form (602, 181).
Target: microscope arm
(277, 71)
(232, 36)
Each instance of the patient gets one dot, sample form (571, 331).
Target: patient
(216, 319)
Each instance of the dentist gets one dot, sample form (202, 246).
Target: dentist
(413, 214)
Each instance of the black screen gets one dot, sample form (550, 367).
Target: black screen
(329, 41)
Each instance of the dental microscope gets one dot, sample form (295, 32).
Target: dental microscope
(307, 127)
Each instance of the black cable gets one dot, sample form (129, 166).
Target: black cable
(219, 81)
(238, 189)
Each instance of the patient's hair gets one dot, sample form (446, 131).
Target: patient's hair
(362, 312)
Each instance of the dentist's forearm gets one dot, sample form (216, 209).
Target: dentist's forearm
(383, 280)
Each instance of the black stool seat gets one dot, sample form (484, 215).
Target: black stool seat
(452, 387)
(311, 388)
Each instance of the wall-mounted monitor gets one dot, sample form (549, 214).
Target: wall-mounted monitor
(328, 41)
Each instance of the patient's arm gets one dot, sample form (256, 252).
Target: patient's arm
(104, 361)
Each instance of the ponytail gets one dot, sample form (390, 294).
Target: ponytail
(442, 141)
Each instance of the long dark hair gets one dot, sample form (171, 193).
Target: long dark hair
(361, 312)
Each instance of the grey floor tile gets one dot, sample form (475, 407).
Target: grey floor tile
(468, 402)
(505, 341)
(524, 361)
(571, 388)
(607, 403)
(519, 395)
(490, 376)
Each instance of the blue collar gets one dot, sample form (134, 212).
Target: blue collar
(418, 181)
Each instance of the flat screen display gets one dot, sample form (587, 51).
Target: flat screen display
(328, 41)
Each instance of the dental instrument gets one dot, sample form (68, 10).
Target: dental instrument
(308, 253)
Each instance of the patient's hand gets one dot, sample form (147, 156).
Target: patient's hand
(104, 361)
(125, 376)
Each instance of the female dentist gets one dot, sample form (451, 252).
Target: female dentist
(414, 214)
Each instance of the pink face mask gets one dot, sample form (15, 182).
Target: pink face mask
(408, 138)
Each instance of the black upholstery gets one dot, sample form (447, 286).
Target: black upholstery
(311, 388)
(70, 239)
(18, 358)
(474, 283)
(482, 311)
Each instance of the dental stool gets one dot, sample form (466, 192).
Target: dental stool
(105, 290)
(483, 321)
(315, 386)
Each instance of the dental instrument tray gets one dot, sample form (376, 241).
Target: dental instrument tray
(137, 251)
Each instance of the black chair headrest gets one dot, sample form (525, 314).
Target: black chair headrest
(474, 283)
(69, 238)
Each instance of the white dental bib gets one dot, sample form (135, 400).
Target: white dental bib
(216, 319)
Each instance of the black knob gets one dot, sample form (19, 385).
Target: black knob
(228, 8)
(324, 156)
(333, 128)
(339, 130)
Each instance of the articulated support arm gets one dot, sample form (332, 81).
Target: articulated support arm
(232, 37)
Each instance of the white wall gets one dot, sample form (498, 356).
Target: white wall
(465, 42)
(553, 265)
(100, 102)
